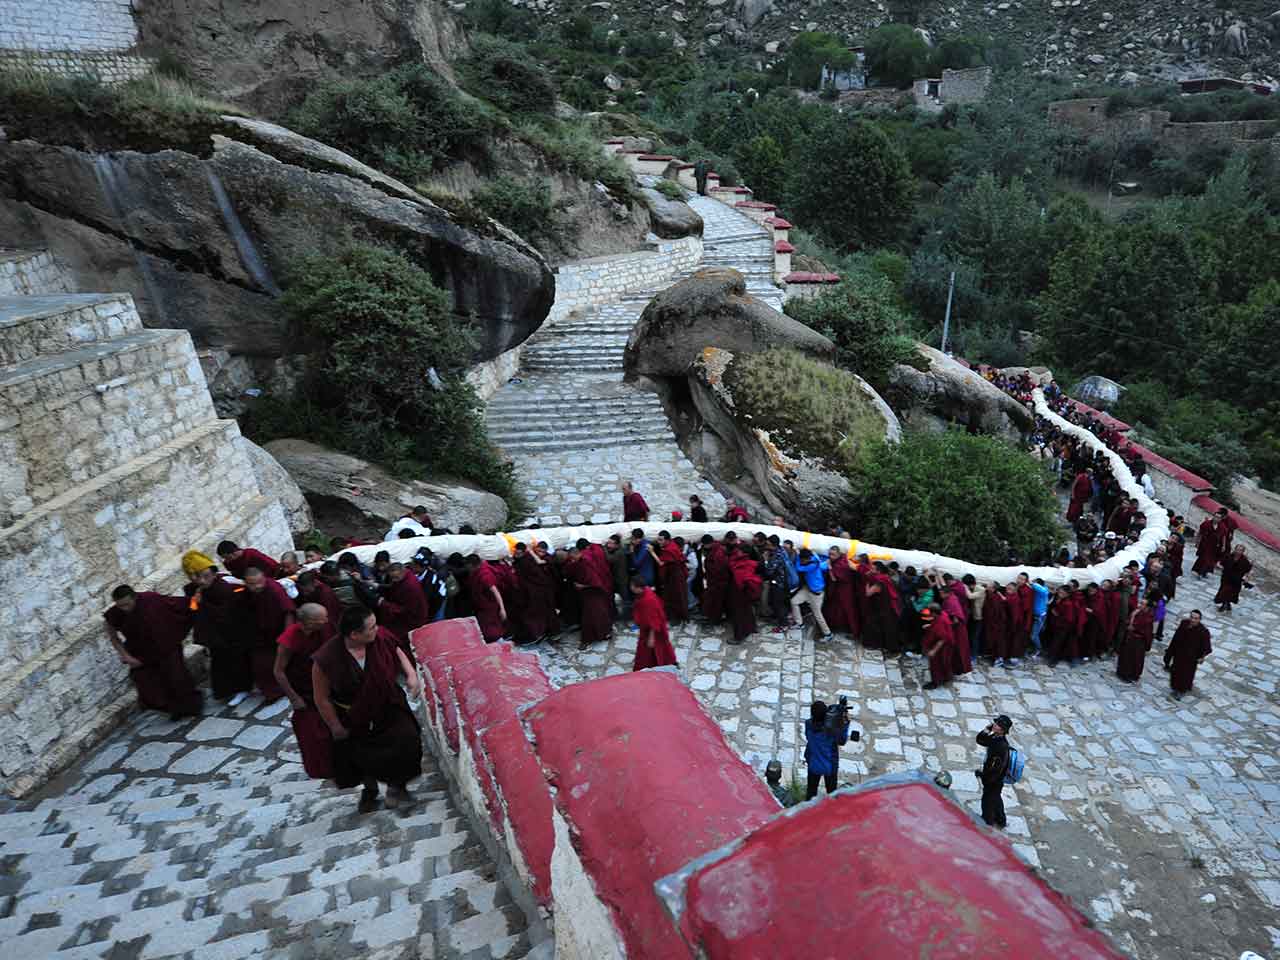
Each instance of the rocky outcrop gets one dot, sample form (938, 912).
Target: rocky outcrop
(267, 53)
(792, 485)
(711, 309)
(275, 483)
(671, 219)
(204, 242)
(949, 390)
(1098, 392)
(351, 495)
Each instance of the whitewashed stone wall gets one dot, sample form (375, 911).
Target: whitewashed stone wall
(110, 68)
(48, 25)
(23, 273)
(589, 283)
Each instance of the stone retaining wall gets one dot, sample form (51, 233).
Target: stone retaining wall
(109, 68)
(80, 25)
(25, 273)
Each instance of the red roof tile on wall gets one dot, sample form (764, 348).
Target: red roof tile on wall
(781, 246)
(1169, 468)
(777, 223)
(802, 276)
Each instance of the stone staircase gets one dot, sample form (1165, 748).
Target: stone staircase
(203, 838)
(576, 430)
(112, 463)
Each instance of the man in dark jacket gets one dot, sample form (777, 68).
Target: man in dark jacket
(822, 750)
(991, 776)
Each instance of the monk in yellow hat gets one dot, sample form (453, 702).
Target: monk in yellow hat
(217, 625)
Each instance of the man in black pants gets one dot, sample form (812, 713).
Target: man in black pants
(995, 739)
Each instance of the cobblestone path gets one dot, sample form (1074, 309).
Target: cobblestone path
(203, 839)
(1160, 818)
(576, 431)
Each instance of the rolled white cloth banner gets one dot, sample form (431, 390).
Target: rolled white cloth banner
(497, 545)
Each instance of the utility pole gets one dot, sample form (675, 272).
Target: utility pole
(946, 323)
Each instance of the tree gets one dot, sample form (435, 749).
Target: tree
(810, 51)
(850, 184)
(862, 317)
(1000, 228)
(896, 55)
(763, 163)
(958, 495)
(956, 53)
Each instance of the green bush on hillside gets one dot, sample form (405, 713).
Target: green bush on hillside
(383, 327)
(524, 205)
(820, 413)
(503, 73)
(958, 495)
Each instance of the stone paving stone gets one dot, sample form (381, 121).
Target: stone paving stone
(215, 728)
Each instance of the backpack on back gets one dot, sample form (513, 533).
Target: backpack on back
(793, 577)
(1017, 763)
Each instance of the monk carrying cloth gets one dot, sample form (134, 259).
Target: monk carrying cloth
(376, 737)
(153, 627)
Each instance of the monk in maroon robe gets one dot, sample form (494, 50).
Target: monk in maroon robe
(295, 648)
(716, 579)
(1019, 631)
(311, 589)
(673, 578)
(588, 567)
(403, 605)
(840, 604)
(218, 624)
(953, 608)
(1227, 528)
(745, 589)
(270, 611)
(1110, 614)
(1132, 651)
(995, 623)
(1187, 650)
(1061, 627)
(1208, 545)
(486, 599)
(376, 737)
(538, 577)
(147, 630)
(939, 643)
(634, 509)
(880, 628)
(1235, 568)
(238, 560)
(653, 646)
(1026, 615)
(1176, 550)
(1093, 638)
(1081, 491)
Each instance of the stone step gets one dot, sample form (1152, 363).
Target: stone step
(26, 273)
(558, 340)
(40, 326)
(571, 411)
(583, 365)
(97, 407)
(588, 327)
(598, 441)
(588, 428)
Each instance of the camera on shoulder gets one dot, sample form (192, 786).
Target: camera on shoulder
(837, 719)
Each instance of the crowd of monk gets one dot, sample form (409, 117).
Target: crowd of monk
(334, 639)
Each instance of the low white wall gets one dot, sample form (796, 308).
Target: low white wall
(503, 544)
(589, 283)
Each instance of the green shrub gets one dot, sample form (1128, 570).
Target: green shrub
(407, 123)
(670, 189)
(819, 412)
(896, 54)
(525, 206)
(503, 73)
(574, 146)
(156, 112)
(384, 327)
(861, 316)
(958, 495)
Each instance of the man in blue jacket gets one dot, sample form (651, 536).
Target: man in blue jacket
(822, 750)
(813, 585)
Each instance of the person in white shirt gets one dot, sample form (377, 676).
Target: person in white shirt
(416, 520)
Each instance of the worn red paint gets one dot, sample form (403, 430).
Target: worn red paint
(804, 276)
(445, 636)
(487, 690)
(894, 873)
(1169, 468)
(781, 246)
(777, 223)
(526, 799)
(646, 782)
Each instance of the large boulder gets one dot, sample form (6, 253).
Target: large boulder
(948, 389)
(793, 485)
(711, 309)
(671, 219)
(275, 483)
(351, 495)
(203, 239)
(269, 53)
(1098, 392)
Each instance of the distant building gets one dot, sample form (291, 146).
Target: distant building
(842, 79)
(954, 86)
(1209, 84)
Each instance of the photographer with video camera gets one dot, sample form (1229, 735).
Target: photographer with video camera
(826, 730)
